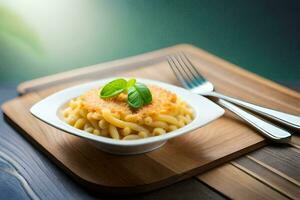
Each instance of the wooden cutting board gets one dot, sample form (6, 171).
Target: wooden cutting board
(182, 157)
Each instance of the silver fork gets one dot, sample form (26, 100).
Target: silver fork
(190, 78)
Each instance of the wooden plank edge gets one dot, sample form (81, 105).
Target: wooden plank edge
(24, 87)
(292, 180)
(263, 179)
(91, 186)
(221, 183)
(127, 190)
(295, 141)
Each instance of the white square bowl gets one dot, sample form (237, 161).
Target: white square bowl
(48, 110)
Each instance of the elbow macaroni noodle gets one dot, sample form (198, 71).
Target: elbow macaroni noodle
(128, 125)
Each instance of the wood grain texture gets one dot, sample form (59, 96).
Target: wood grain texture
(277, 181)
(213, 145)
(29, 166)
(273, 166)
(17, 186)
(284, 161)
(24, 169)
(188, 189)
(238, 185)
(295, 141)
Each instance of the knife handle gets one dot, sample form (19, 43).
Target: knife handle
(267, 129)
(284, 118)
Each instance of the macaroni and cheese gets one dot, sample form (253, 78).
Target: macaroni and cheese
(114, 118)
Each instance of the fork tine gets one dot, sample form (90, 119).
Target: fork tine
(178, 73)
(183, 71)
(186, 74)
(183, 68)
(186, 67)
(192, 67)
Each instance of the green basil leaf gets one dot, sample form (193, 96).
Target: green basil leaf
(144, 92)
(130, 83)
(139, 95)
(134, 98)
(113, 88)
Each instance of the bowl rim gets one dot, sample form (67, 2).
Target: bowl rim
(58, 123)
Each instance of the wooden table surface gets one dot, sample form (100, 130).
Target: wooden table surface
(268, 173)
(262, 36)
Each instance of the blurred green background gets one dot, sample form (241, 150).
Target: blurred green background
(39, 38)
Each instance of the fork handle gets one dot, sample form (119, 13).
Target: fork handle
(284, 118)
(267, 129)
